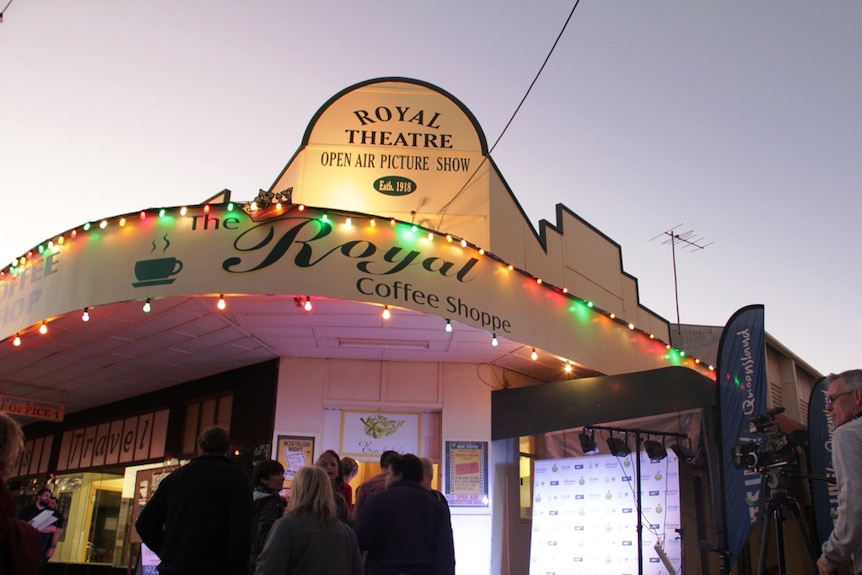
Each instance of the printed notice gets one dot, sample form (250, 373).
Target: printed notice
(467, 473)
(294, 452)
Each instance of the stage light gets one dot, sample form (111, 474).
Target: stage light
(588, 443)
(618, 447)
(683, 452)
(655, 450)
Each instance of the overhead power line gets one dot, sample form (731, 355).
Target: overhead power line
(445, 207)
(3, 11)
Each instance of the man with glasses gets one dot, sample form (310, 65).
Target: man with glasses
(844, 404)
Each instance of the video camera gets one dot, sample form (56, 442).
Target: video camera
(772, 452)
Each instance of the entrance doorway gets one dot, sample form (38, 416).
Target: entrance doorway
(104, 523)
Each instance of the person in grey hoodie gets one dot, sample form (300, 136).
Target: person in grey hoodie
(844, 403)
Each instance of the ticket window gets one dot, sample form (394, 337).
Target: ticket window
(368, 469)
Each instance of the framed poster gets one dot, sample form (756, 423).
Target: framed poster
(467, 473)
(365, 433)
(146, 482)
(294, 452)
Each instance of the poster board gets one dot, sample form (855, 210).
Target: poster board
(146, 483)
(466, 467)
(294, 452)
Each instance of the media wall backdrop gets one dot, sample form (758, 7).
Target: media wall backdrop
(585, 515)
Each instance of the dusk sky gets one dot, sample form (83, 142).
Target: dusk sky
(738, 120)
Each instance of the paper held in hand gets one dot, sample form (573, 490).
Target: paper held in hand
(44, 519)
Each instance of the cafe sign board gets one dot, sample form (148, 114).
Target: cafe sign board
(365, 434)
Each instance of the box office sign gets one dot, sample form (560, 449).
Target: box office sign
(128, 440)
(36, 408)
(365, 434)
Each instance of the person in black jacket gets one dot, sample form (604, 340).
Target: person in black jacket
(199, 519)
(403, 529)
(267, 504)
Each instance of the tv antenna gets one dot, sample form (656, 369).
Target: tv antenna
(686, 240)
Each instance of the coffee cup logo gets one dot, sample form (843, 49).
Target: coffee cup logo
(156, 271)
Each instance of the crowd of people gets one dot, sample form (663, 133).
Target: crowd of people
(397, 524)
(207, 517)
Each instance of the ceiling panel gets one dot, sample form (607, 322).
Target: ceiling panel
(123, 352)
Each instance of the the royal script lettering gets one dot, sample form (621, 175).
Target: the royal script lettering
(307, 241)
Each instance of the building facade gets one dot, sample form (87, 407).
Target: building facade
(375, 297)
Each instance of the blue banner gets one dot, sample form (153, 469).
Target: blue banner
(741, 389)
(820, 430)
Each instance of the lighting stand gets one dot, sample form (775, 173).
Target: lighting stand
(638, 444)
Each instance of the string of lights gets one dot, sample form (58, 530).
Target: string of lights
(673, 354)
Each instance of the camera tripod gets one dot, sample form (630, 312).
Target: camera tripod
(776, 504)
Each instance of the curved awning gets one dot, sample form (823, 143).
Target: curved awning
(592, 400)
